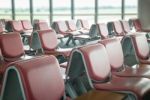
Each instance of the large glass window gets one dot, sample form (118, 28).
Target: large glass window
(41, 10)
(5, 9)
(22, 9)
(109, 10)
(131, 8)
(61, 10)
(85, 9)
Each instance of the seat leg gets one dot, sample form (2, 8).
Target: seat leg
(69, 39)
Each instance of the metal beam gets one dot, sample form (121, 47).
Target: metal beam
(13, 9)
(31, 11)
(122, 9)
(51, 11)
(96, 11)
(72, 9)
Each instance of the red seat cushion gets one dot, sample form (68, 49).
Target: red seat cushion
(11, 46)
(114, 50)
(43, 26)
(49, 43)
(118, 28)
(117, 61)
(102, 30)
(41, 78)
(98, 68)
(139, 86)
(17, 26)
(141, 47)
(137, 25)
(125, 26)
(26, 25)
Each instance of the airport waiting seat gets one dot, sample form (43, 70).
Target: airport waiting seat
(141, 48)
(27, 26)
(83, 25)
(16, 26)
(118, 28)
(62, 28)
(11, 46)
(44, 26)
(28, 29)
(104, 33)
(93, 64)
(35, 79)
(116, 59)
(103, 30)
(50, 44)
(78, 34)
(12, 49)
(72, 26)
(138, 26)
(125, 26)
(35, 21)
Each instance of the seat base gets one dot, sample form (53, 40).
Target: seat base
(134, 72)
(137, 86)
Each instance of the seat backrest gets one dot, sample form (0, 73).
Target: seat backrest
(141, 46)
(115, 53)
(71, 25)
(42, 26)
(118, 28)
(61, 27)
(137, 25)
(102, 30)
(35, 79)
(38, 21)
(48, 39)
(26, 24)
(85, 24)
(97, 61)
(125, 26)
(11, 46)
(17, 26)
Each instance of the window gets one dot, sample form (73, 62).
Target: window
(85, 9)
(41, 10)
(131, 9)
(61, 10)
(22, 9)
(109, 10)
(5, 9)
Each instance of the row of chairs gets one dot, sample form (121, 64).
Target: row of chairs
(47, 38)
(50, 45)
(95, 66)
(25, 28)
